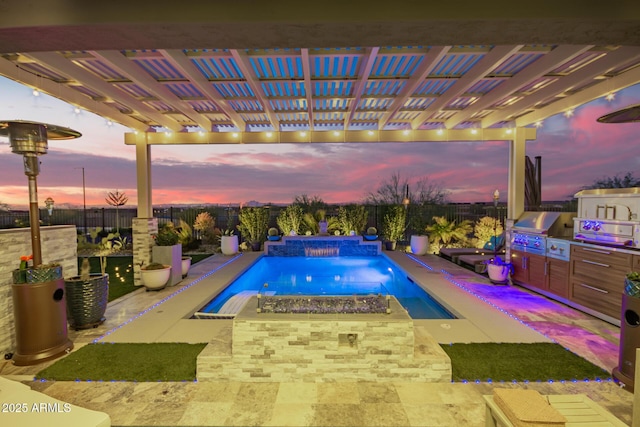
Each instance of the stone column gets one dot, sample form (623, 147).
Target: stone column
(143, 230)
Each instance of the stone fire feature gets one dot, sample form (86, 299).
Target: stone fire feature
(267, 347)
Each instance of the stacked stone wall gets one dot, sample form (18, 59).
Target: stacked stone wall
(59, 244)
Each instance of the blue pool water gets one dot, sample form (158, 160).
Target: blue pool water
(332, 276)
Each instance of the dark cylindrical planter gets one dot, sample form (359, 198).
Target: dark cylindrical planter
(40, 321)
(629, 341)
(87, 300)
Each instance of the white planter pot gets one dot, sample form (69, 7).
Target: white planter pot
(420, 244)
(186, 265)
(498, 273)
(171, 256)
(229, 245)
(155, 279)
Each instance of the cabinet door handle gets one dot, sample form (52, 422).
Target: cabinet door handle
(599, 264)
(596, 251)
(593, 288)
(546, 265)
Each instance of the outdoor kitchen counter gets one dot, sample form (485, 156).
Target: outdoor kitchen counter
(597, 274)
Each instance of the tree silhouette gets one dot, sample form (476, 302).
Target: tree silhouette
(393, 190)
(117, 199)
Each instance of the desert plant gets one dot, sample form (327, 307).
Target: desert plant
(185, 234)
(483, 230)
(154, 266)
(117, 199)
(372, 231)
(394, 223)
(167, 236)
(205, 224)
(352, 218)
(273, 231)
(291, 219)
(253, 224)
(444, 232)
(312, 222)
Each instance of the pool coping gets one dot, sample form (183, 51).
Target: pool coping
(169, 320)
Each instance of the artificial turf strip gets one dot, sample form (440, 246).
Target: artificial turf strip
(519, 362)
(127, 362)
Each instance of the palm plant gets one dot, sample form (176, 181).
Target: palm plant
(443, 232)
(485, 228)
(312, 221)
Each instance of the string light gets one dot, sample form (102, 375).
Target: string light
(568, 113)
(35, 93)
(610, 96)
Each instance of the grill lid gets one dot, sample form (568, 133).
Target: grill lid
(555, 224)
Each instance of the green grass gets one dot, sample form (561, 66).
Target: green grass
(120, 270)
(127, 362)
(519, 362)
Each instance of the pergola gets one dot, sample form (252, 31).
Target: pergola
(281, 71)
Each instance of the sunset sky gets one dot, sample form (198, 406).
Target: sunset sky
(575, 151)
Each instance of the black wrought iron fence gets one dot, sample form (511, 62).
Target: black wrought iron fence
(418, 216)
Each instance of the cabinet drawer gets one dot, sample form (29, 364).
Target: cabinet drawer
(610, 276)
(607, 256)
(597, 298)
(636, 263)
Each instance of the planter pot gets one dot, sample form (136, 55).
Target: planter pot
(255, 246)
(370, 237)
(171, 256)
(86, 300)
(322, 227)
(154, 280)
(186, 265)
(273, 238)
(419, 244)
(229, 245)
(390, 245)
(498, 273)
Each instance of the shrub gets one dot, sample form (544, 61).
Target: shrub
(205, 224)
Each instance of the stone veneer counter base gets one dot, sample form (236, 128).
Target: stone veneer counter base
(268, 347)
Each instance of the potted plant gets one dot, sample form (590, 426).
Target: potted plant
(87, 297)
(419, 244)
(632, 284)
(371, 234)
(168, 251)
(393, 226)
(253, 225)
(229, 242)
(155, 276)
(499, 270)
(273, 234)
(186, 265)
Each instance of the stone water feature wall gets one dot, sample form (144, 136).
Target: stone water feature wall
(323, 348)
(143, 230)
(309, 246)
(59, 245)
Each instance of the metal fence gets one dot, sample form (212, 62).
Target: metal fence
(418, 216)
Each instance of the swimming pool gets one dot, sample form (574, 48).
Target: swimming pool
(350, 275)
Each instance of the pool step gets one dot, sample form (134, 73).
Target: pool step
(231, 307)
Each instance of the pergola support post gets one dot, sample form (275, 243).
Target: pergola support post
(515, 191)
(144, 225)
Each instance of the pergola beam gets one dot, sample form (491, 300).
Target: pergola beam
(363, 76)
(134, 73)
(182, 62)
(352, 136)
(63, 66)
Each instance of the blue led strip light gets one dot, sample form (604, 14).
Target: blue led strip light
(450, 278)
(182, 289)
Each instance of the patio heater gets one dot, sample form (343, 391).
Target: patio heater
(30, 140)
(39, 303)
